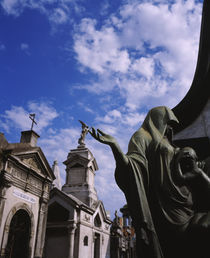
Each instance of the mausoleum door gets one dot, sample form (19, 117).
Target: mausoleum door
(19, 235)
(97, 245)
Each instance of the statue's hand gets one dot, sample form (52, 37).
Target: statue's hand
(120, 158)
(102, 137)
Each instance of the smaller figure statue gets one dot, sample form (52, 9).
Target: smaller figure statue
(84, 132)
(116, 219)
(189, 172)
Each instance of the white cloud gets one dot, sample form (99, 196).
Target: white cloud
(18, 116)
(144, 66)
(133, 119)
(59, 16)
(45, 114)
(105, 8)
(57, 11)
(24, 46)
(13, 7)
(85, 107)
(56, 146)
(148, 51)
(110, 117)
(2, 47)
(100, 50)
(118, 118)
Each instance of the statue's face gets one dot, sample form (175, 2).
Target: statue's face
(187, 158)
(188, 152)
(169, 132)
(172, 123)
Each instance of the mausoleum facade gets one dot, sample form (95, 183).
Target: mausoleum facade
(78, 225)
(25, 183)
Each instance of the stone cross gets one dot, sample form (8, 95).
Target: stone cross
(32, 117)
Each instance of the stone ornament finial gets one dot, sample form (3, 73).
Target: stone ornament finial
(84, 132)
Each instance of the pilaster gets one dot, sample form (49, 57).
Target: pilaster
(41, 226)
(71, 232)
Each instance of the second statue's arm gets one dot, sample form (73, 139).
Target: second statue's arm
(120, 158)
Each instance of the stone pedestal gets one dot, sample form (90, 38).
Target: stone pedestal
(80, 169)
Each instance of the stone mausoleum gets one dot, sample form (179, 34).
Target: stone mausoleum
(25, 183)
(77, 225)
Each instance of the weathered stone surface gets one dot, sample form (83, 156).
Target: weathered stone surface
(25, 185)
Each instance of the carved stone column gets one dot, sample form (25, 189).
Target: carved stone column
(41, 228)
(4, 185)
(71, 232)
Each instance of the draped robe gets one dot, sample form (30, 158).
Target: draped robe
(147, 182)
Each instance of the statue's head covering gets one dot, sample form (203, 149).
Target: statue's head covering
(156, 122)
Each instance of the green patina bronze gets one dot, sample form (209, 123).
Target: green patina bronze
(166, 222)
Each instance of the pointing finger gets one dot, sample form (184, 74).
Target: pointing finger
(101, 132)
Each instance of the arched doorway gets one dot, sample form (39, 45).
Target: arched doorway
(19, 236)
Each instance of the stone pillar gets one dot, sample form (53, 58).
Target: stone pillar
(71, 232)
(41, 229)
(5, 182)
(4, 185)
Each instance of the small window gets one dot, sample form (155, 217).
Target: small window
(97, 221)
(86, 240)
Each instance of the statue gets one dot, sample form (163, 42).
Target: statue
(159, 188)
(84, 132)
(189, 172)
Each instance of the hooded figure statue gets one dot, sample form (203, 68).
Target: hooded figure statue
(161, 209)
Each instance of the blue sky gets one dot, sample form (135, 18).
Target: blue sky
(103, 62)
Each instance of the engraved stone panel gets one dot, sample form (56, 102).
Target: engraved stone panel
(32, 163)
(19, 174)
(35, 182)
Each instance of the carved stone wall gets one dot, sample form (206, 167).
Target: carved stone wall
(24, 186)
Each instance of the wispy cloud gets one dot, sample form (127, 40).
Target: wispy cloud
(100, 50)
(24, 46)
(57, 11)
(18, 116)
(148, 51)
(59, 15)
(2, 47)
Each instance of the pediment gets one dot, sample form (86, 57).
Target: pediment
(78, 161)
(35, 161)
(78, 157)
(31, 161)
(101, 213)
(76, 165)
(74, 159)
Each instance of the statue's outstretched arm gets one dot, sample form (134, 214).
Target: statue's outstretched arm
(120, 158)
